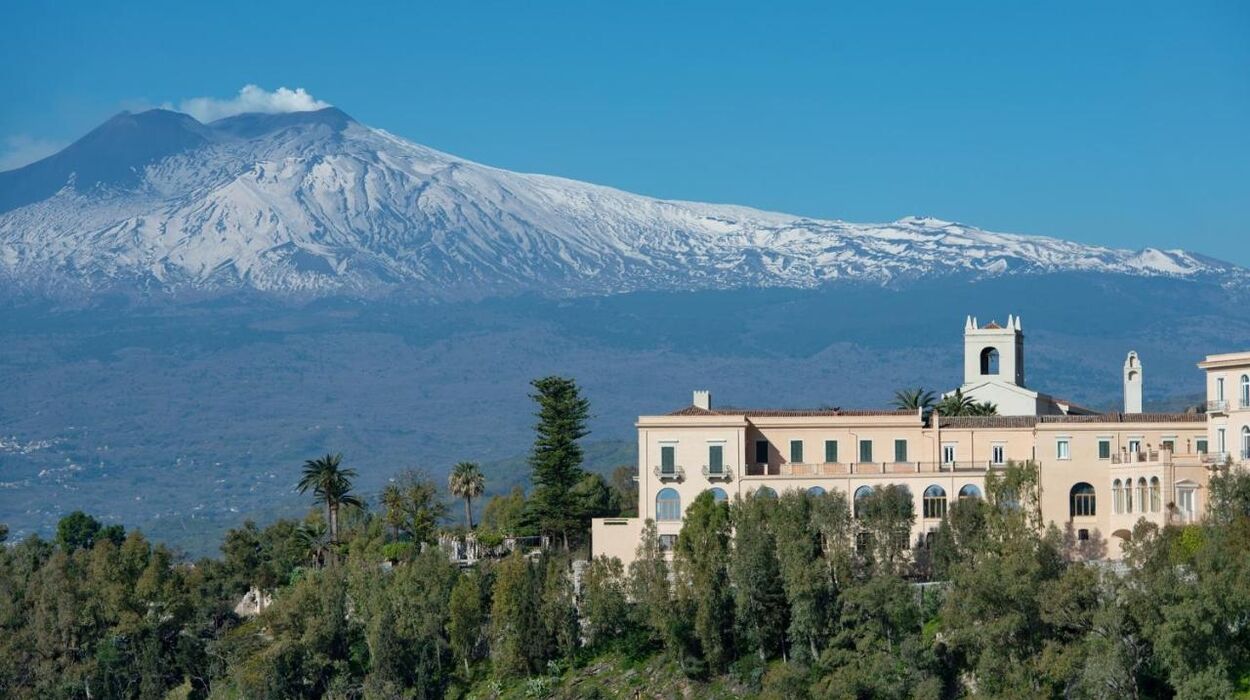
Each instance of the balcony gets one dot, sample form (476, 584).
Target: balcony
(1217, 406)
(725, 473)
(1141, 457)
(672, 473)
(1215, 457)
(798, 470)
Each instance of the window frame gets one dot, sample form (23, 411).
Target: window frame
(900, 450)
(831, 452)
(1082, 503)
(667, 507)
(796, 451)
(933, 503)
(1063, 448)
(1104, 442)
(865, 457)
(716, 448)
(758, 444)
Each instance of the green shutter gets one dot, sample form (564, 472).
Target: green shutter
(900, 450)
(796, 451)
(1104, 449)
(865, 450)
(668, 458)
(715, 458)
(831, 451)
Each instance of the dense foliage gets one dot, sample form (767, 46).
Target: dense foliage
(797, 596)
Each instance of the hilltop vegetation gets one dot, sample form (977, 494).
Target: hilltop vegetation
(796, 596)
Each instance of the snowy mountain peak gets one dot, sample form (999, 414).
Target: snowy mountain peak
(317, 203)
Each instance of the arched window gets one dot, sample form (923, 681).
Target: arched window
(969, 491)
(1128, 495)
(989, 361)
(1143, 505)
(1117, 497)
(765, 492)
(1156, 497)
(1245, 442)
(816, 491)
(1245, 391)
(667, 505)
(1082, 501)
(860, 494)
(718, 494)
(934, 502)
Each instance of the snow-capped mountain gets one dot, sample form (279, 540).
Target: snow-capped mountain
(315, 202)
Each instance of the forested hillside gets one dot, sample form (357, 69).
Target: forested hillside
(771, 597)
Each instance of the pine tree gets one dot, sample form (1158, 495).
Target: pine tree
(808, 589)
(556, 460)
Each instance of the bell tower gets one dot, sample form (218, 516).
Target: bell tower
(1132, 383)
(993, 353)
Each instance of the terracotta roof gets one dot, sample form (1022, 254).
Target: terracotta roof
(988, 421)
(1129, 418)
(992, 325)
(789, 412)
(1030, 421)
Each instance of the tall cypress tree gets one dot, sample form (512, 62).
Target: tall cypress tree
(557, 457)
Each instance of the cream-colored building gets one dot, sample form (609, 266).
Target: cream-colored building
(1100, 472)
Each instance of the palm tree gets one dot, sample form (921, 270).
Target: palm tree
(467, 482)
(985, 408)
(314, 538)
(955, 404)
(919, 398)
(332, 485)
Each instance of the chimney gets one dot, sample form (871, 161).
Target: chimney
(703, 399)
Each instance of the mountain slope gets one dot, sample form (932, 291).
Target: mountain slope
(315, 202)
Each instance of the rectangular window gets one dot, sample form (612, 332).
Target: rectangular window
(998, 454)
(900, 450)
(865, 451)
(1134, 446)
(1082, 535)
(831, 451)
(1104, 449)
(1221, 444)
(796, 451)
(715, 459)
(1063, 449)
(1185, 502)
(668, 542)
(1168, 444)
(668, 459)
(948, 453)
(1200, 444)
(1219, 389)
(761, 451)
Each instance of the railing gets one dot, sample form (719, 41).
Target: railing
(675, 473)
(725, 472)
(1217, 406)
(1141, 456)
(1215, 457)
(793, 469)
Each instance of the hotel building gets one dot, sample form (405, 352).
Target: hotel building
(1100, 472)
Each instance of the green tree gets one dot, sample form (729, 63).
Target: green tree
(81, 531)
(807, 586)
(331, 484)
(556, 460)
(604, 605)
(955, 404)
(514, 624)
(420, 506)
(557, 611)
(467, 617)
(652, 593)
(392, 500)
(701, 563)
(885, 518)
(507, 515)
(759, 598)
(919, 398)
(4, 532)
(625, 490)
(466, 481)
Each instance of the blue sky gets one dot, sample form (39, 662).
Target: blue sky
(1120, 123)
